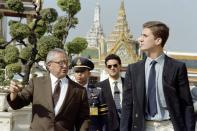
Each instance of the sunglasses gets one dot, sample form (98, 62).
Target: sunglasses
(110, 66)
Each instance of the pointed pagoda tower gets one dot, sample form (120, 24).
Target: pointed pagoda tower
(95, 36)
(96, 29)
(120, 40)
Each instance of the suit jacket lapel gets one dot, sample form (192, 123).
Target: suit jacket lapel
(69, 94)
(167, 70)
(47, 90)
(139, 77)
(109, 96)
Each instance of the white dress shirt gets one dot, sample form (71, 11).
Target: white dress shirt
(63, 91)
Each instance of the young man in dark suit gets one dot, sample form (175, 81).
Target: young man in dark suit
(111, 92)
(58, 103)
(156, 96)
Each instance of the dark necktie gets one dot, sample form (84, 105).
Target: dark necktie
(117, 95)
(152, 103)
(56, 93)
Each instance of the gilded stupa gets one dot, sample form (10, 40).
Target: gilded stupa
(120, 40)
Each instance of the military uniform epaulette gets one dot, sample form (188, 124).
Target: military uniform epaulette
(102, 109)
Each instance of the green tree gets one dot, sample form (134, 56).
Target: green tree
(47, 43)
(11, 69)
(76, 46)
(46, 31)
(11, 54)
(2, 78)
(2, 40)
(2, 62)
(15, 5)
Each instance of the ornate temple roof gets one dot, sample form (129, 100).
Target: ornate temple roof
(120, 40)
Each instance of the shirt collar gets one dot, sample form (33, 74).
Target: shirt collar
(54, 79)
(112, 80)
(159, 59)
(86, 85)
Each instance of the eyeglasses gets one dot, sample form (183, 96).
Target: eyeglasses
(110, 66)
(61, 63)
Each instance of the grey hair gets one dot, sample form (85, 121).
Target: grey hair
(51, 54)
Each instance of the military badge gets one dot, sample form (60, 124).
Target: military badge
(93, 111)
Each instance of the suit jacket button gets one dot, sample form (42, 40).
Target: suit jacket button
(135, 126)
(136, 115)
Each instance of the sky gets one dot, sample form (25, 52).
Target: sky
(179, 15)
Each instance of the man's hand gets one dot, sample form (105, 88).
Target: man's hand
(15, 87)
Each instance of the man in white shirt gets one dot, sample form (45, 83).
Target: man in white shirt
(111, 92)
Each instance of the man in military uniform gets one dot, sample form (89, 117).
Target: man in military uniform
(82, 67)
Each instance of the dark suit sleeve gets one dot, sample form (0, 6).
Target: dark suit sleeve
(186, 99)
(83, 118)
(126, 116)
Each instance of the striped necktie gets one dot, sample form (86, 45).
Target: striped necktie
(117, 95)
(56, 93)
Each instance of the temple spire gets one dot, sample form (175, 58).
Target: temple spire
(97, 14)
(120, 40)
(120, 28)
(122, 9)
(96, 30)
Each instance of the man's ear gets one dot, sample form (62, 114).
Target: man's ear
(47, 66)
(158, 41)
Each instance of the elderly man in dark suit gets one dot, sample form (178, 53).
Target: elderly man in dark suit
(111, 92)
(156, 96)
(58, 103)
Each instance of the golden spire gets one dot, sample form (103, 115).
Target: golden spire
(120, 27)
(122, 9)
